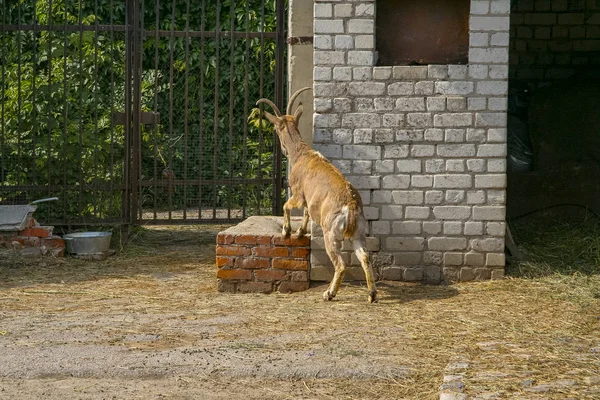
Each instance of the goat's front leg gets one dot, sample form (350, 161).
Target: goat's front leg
(287, 207)
(304, 227)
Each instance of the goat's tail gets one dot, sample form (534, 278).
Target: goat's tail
(352, 211)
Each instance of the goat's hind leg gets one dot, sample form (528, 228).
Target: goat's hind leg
(359, 247)
(334, 251)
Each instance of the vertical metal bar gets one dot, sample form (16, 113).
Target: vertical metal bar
(201, 124)
(19, 130)
(186, 116)
(171, 141)
(245, 140)
(279, 101)
(129, 4)
(231, 117)
(261, 90)
(65, 138)
(3, 74)
(136, 129)
(96, 141)
(81, 88)
(112, 111)
(216, 116)
(156, 127)
(33, 99)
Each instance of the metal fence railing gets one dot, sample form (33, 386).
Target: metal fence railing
(140, 111)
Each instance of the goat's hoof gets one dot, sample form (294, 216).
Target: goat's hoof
(327, 296)
(286, 232)
(301, 232)
(373, 297)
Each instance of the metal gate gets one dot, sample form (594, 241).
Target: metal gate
(141, 111)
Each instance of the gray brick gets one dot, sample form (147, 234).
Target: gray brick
(479, 39)
(328, 26)
(480, 23)
(406, 227)
(395, 151)
(452, 212)
(364, 105)
(410, 104)
(498, 55)
(326, 120)
(453, 120)
(455, 135)
(437, 71)
(401, 88)
(499, 39)
(344, 42)
(490, 181)
(371, 213)
(330, 150)
(382, 73)
(380, 228)
(491, 150)
(498, 104)
(452, 181)
(434, 166)
(362, 152)
(392, 212)
(421, 181)
(384, 135)
(323, 11)
(363, 136)
(434, 135)
(362, 167)
(480, 7)
(343, 10)
(451, 258)
(412, 212)
(495, 260)
(322, 73)
(496, 165)
(474, 260)
(436, 104)
(419, 120)
(424, 88)
(457, 72)
(342, 105)
(495, 228)
(396, 181)
(342, 136)
(409, 135)
(405, 243)
(478, 71)
(361, 26)
(456, 150)
(492, 87)
(365, 10)
(345, 166)
(361, 120)
(329, 89)
(413, 274)
(489, 213)
(366, 88)
(365, 182)
(473, 228)
(360, 57)
(453, 228)
(499, 71)
(434, 197)
(382, 196)
(408, 258)
(422, 150)
(409, 165)
(456, 104)
(488, 244)
(475, 135)
(454, 87)
(384, 166)
(393, 120)
(490, 120)
(457, 165)
(408, 197)
(447, 243)
(364, 42)
(476, 104)
(384, 104)
(322, 105)
(342, 73)
(432, 227)
(323, 42)
(411, 73)
(476, 197)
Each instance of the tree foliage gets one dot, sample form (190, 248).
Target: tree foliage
(60, 89)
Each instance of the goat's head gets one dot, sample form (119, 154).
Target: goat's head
(286, 125)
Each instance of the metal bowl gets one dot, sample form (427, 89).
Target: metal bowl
(87, 242)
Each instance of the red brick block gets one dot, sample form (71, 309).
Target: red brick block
(268, 251)
(291, 241)
(299, 276)
(252, 239)
(53, 242)
(229, 274)
(225, 262)
(299, 253)
(255, 287)
(289, 287)
(38, 231)
(233, 251)
(26, 241)
(295, 265)
(268, 275)
(225, 239)
(226, 286)
(252, 263)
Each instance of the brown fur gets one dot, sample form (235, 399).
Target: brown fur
(326, 196)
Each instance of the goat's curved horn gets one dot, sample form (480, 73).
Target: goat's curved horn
(293, 98)
(270, 103)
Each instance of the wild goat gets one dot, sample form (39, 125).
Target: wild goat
(325, 195)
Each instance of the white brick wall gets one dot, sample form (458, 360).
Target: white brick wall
(425, 145)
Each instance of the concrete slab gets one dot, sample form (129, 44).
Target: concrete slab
(14, 218)
(263, 225)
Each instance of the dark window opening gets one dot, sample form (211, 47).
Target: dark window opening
(421, 32)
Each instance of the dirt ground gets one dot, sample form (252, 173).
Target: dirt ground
(148, 323)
